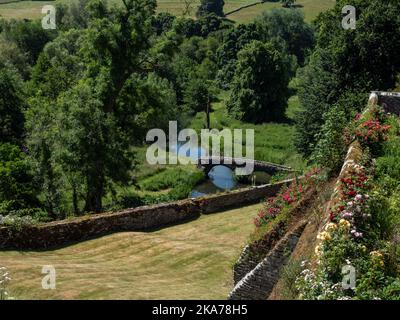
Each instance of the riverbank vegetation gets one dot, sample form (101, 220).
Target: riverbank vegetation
(84, 96)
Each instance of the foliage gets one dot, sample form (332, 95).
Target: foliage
(29, 36)
(233, 41)
(74, 15)
(211, 6)
(170, 178)
(347, 60)
(12, 55)
(330, 149)
(370, 129)
(12, 105)
(286, 29)
(17, 186)
(98, 88)
(163, 22)
(259, 89)
(287, 26)
(288, 277)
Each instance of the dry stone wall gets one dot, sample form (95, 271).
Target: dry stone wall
(63, 232)
(259, 282)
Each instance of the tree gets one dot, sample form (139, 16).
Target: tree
(11, 105)
(41, 128)
(288, 3)
(187, 7)
(114, 47)
(163, 22)
(92, 148)
(17, 187)
(73, 15)
(233, 41)
(12, 55)
(198, 95)
(106, 98)
(289, 27)
(260, 84)
(211, 6)
(317, 92)
(29, 36)
(58, 66)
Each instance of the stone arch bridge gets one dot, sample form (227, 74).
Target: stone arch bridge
(207, 163)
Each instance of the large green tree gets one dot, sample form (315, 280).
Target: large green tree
(105, 98)
(260, 84)
(289, 27)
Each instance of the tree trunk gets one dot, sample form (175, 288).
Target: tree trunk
(208, 113)
(75, 200)
(95, 188)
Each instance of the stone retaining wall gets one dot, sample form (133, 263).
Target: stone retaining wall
(255, 252)
(390, 101)
(63, 232)
(258, 283)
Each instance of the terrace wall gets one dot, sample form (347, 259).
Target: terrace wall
(63, 232)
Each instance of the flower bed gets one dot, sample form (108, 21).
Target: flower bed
(281, 211)
(357, 256)
(285, 199)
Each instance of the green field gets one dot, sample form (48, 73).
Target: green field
(273, 142)
(188, 261)
(311, 8)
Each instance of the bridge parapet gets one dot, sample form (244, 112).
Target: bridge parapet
(207, 163)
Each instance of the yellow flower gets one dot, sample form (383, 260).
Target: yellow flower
(376, 254)
(324, 236)
(317, 250)
(331, 227)
(377, 258)
(344, 224)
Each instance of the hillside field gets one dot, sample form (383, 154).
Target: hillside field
(311, 8)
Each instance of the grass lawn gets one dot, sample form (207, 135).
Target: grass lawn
(188, 261)
(311, 8)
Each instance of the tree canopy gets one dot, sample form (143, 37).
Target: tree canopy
(260, 85)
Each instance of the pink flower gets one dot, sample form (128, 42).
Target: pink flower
(347, 215)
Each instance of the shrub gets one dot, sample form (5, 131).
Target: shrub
(330, 149)
(128, 200)
(171, 178)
